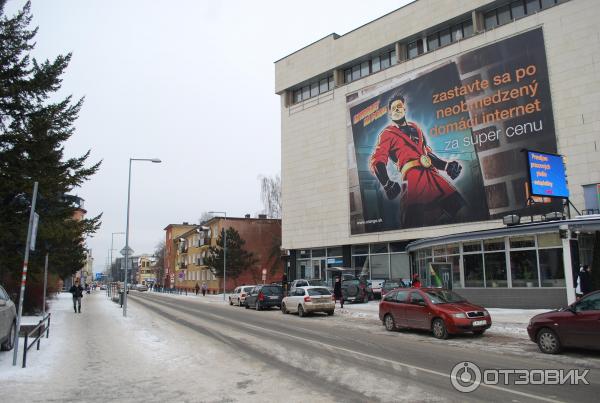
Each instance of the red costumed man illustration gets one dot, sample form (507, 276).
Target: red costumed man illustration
(427, 197)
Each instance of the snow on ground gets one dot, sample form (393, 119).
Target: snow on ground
(98, 355)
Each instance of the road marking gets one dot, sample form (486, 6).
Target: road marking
(408, 366)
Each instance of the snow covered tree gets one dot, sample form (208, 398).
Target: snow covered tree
(34, 125)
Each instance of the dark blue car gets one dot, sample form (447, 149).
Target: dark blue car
(264, 296)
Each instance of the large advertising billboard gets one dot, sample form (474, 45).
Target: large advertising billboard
(445, 145)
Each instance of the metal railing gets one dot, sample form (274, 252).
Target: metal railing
(40, 331)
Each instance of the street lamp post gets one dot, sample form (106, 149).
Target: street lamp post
(224, 248)
(112, 241)
(157, 161)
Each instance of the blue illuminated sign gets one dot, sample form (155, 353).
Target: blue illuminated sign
(547, 175)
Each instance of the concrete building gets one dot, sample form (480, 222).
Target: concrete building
(172, 233)
(404, 148)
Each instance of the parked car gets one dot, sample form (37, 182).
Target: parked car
(8, 321)
(238, 296)
(356, 290)
(141, 287)
(577, 325)
(103, 287)
(264, 296)
(301, 282)
(389, 285)
(376, 287)
(441, 311)
(305, 300)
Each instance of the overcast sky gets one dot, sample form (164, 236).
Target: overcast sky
(188, 81)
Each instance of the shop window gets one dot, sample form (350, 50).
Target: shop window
(527, 241)
(304, 254)
(493, 244)
(455, 261)
(472, 246)
(379, 248)
(318, 253)
(523, 266)
(360, 264)
(495, 270)
(552, 271)
(380, 267)
(439, 250)
(453, 249)
(398, 246)
(400, 266)
(548, 240)
(473, 265)
(334, 251)
(360, 249)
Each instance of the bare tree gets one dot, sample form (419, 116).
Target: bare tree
(270, 195)
(204, 217)
(159, 254)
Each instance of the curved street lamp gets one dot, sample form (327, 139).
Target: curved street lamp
(156, 161)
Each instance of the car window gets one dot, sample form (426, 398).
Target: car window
(591, 303)
(247, 289)
(299, 292)
(391, 285)
(401, 296)
(417, 299)
(390, 296)
(318, 291)
(443, 296)
(301, 284)
(272, 290)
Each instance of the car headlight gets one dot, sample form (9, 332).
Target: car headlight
(486, 313)
(459, 315)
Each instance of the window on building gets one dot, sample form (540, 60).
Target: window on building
(517, 9)
(375, 64)
(495, 269)
(433, 42)
(473, 265)
(523, 266)
(504, 15)
(552, 272)
(311, 90)
(380, 266)
(415, 48)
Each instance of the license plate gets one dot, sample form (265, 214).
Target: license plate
(479, 323)
(274, 297)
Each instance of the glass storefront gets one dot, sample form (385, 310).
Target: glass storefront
(513, 261)
(381, 261)
(313, 263)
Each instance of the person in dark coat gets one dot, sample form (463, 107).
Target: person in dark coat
(337, 291)
(197, 288)
(77, 291)
(585, 280)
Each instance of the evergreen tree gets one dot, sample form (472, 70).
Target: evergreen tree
(238, 259)
(34, 126)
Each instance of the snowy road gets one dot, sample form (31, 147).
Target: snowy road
(194, 349)
(357, 361)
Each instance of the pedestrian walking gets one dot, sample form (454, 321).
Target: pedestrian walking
(204, 289)
(584, 282)
(337, 291)
(197, 288)
(77, 291)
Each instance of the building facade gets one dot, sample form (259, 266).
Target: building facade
(262, 237)
(405, 138)
(172, 233)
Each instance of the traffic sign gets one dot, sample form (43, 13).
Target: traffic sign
(124, 251)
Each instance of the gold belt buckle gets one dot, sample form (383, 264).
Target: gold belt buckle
(425, 161)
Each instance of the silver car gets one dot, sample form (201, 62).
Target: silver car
(305, 300)
(238, 296)
(8, 321)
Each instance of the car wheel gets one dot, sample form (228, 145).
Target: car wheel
(438, 327)
(301, 312)
(330, 313)
(548, 342)
(257, 306)
(284, 309)
(230, 301)
(246, 305)
(478, 332)
(8, 344)
(388, 321)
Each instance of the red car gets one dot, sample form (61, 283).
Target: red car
(441, 311)
(577, 325)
